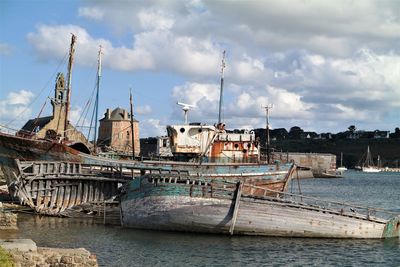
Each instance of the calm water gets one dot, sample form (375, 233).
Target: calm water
(115, 246)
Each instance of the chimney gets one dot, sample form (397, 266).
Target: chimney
(107, 114)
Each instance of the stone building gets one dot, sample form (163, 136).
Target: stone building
(115, 131)
(55, 126)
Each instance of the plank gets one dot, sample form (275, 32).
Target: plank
(236, 208)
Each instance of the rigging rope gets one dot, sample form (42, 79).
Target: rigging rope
(41, 91)
(38, 116)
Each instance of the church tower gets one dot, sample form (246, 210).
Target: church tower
(59, 103)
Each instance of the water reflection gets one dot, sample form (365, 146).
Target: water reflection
(116, 246)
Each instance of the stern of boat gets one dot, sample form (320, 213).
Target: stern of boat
(392, 228)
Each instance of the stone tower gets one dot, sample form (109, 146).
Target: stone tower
(115, 132)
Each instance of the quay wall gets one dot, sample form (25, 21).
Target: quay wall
(352, 149)
(318, 163)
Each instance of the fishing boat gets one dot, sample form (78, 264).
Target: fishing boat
(219, 206)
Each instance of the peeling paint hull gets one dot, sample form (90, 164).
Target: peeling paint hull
(179, 207)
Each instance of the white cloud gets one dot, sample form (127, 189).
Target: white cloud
(154, 19)
(91, 13)
(15, 108)
(251, 102)
(21, 97)
(152, 127)
(143, 110)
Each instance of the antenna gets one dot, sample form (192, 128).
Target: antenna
(185, 108)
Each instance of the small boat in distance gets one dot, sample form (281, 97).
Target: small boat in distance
(341, 168)
(368, 165)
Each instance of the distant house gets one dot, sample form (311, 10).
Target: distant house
(381, 134)
(310, 135)
(324, 136)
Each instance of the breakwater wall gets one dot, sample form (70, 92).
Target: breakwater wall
(318, 163)
(352, 149)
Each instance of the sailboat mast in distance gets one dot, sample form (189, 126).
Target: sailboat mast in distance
(221, 88)
(70, 62)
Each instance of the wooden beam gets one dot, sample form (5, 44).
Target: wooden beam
(236, 208)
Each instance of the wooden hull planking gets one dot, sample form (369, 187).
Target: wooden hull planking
(212, 208)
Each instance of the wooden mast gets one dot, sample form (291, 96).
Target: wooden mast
(221, 88)
(97, 98)
(70, 62)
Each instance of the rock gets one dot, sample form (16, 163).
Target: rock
(66, 259)
(18, 244)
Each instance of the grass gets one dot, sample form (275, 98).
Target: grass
(6, 258)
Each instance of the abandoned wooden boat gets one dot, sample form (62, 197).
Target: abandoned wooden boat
(200, 204)
(55, 187)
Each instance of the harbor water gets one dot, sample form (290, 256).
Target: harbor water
(116, 246)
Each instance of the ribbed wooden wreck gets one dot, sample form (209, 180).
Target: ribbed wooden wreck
(199, 204)
(52, 188)
(55, 187)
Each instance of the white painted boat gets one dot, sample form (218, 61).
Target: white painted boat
(370, 169)
(368, 165)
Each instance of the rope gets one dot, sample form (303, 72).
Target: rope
(41, 91)
(38, 116)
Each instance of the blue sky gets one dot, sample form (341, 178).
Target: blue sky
(324, 66)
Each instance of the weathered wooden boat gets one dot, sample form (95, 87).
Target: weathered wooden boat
(55, 187)
(217, 205)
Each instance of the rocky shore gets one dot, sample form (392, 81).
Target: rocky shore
(8, 220)
(25, 254)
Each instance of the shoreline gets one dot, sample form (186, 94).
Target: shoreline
(24, 252)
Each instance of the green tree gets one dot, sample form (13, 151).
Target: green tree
(352, 128)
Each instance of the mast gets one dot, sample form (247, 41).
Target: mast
(69, 80)
(368, 160)
(97, 98)
(267, 144)
(341, 159)
(221, 87)
(133, 137)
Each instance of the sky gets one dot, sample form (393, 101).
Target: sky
(323, 65)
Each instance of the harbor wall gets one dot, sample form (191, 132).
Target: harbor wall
(318, 163)
(352, 149)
